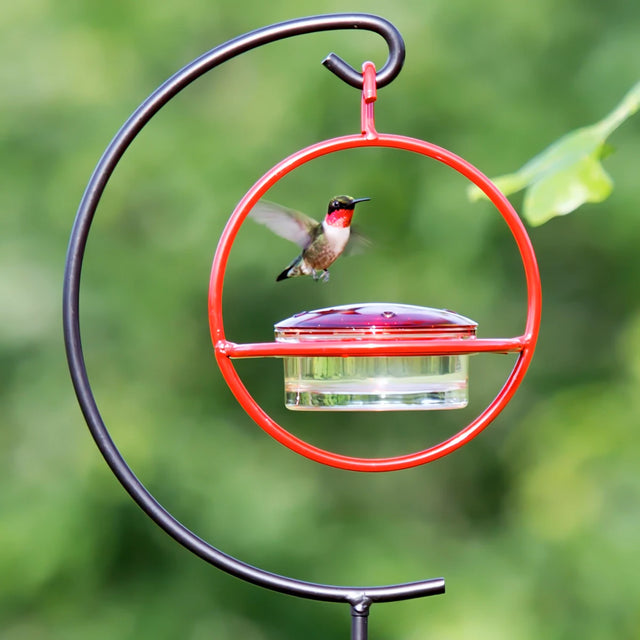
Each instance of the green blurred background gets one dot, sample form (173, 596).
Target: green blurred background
(534, 525)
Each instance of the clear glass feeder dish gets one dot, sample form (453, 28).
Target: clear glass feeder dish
(375, 383)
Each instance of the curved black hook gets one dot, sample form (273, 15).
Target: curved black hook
(333, 62)
(71, 298)
(394, 62)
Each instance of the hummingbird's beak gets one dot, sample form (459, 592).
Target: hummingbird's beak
(360, 200)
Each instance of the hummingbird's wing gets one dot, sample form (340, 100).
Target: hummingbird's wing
(358, 243)
(287, 223)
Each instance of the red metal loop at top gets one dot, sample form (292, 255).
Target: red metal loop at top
(523, 345)
(369, 95)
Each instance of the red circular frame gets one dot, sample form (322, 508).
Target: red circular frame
(524, 345)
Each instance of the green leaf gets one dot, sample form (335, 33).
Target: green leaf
(568, 173)
(565, 190)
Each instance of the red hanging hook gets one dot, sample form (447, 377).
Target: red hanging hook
(369, 95)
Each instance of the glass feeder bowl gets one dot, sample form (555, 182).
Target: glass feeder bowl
(375, 383)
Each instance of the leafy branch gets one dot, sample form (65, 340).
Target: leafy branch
(568, 173)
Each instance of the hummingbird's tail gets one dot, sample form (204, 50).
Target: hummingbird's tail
(295, 268)
(292, 270)
(284, 275)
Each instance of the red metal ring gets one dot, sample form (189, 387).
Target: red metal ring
(524, 344)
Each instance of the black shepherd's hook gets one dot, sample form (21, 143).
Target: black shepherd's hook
(394, 62)
(358, 597)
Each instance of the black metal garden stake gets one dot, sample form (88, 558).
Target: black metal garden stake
(359, 598)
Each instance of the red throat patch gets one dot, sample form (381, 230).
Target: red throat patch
(340, 217)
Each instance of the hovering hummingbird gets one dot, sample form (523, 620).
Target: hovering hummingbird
(321, 242)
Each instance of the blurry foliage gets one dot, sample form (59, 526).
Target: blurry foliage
(534, 524)
(568, 173)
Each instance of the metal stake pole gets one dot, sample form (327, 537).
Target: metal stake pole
(359, 598)
(360, 620)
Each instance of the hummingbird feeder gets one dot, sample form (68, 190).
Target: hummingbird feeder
(355, 358)
(365, 356)
(375, 383)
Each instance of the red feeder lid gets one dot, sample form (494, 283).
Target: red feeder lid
(376, 320)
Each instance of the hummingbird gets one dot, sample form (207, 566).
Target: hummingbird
(321, 242)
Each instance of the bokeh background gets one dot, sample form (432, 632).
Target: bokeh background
(535, 524)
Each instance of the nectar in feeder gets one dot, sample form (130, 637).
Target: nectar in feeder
(375, 383)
